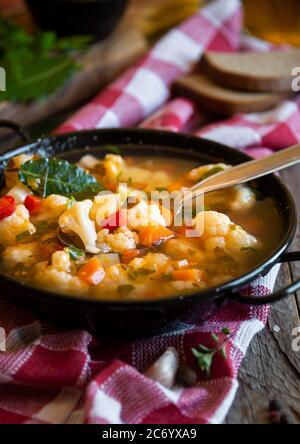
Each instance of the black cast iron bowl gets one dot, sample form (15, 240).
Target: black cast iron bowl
(141, 318)
(69, 17)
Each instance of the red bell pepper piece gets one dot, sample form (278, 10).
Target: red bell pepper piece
(7, 206)
(32, 203)
(115, 220)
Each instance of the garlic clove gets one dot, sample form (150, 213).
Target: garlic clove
(165, 368)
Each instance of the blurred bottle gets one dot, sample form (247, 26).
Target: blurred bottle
(275, 20)
(155, 17)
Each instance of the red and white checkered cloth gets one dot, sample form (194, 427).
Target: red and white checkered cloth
(53, 376)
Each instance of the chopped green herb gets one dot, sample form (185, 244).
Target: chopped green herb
(76, 253)
(135, 274)
(225, 331)
(71, 202)
(232, 227)
(161, 189)
(124, 290)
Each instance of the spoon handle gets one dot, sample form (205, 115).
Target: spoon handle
(249, 170)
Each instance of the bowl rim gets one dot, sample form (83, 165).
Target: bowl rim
(206, 294)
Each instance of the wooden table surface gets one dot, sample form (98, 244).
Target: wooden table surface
(271, 369)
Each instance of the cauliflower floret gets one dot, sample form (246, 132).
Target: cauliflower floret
(12, 177)
(19, 192)
(113, 165)
(212, 223)
(61, 261)
(143, 175)
(122, 239)
(219, 232)
(52, 207)
(143, 215)
(76, 219)
(183, 249)
(25, 254)
(201, 172)
(238, 240)
(152, 262)
(115, 275)
(243, 198)
(211, 243)
(103, 206)
(88, 162)
(15, 224)
(61, 281)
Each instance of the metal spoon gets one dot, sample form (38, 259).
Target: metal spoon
(241, 173)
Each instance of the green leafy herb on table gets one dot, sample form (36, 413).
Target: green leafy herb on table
(205, 355)
(57, 176)
(36, 65)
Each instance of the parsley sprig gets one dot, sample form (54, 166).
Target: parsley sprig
(205, 355)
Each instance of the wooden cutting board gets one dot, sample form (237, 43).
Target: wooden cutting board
(101, 64)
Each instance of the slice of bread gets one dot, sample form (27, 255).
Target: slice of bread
(217, 99)
(252, 71)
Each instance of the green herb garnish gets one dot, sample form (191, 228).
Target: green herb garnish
(205, 355)
(76, 253)
(71, 202)
(57, 176)
(141, 272)
(36, 65)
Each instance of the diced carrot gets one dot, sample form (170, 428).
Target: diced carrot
(154, 235)
(129, 255)
(92, 272)
(188, 274)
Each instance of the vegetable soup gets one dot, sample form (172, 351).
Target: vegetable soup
(97, 229)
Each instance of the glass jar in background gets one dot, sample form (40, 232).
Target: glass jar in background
(275, 20)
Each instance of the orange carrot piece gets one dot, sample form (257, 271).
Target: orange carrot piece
(188, 274)
(129, 255)
(154, 235)
(92, 272)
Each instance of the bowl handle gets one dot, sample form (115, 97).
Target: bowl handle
(279, 294)
(17, 129)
